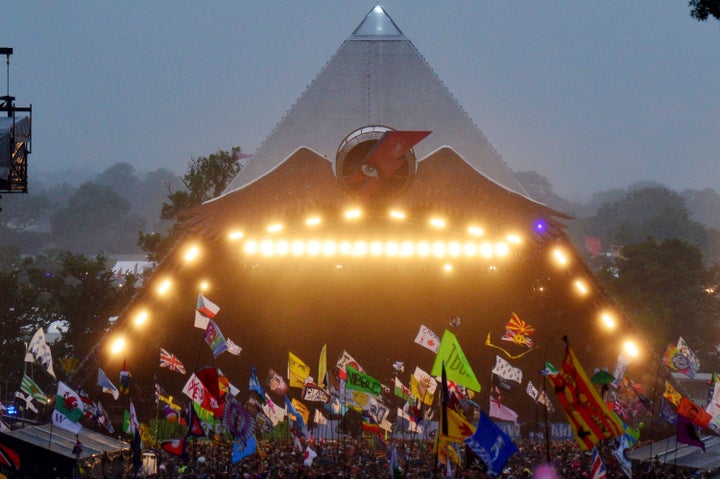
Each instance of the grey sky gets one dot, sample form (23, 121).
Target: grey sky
(592, 95)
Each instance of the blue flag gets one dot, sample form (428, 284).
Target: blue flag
(491, 445)
(242, 449)
(255, 385)
(291, 410)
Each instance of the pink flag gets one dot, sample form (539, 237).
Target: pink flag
(501, 411)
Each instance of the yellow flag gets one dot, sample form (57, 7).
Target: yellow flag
(671, 394)
(421, 391)
(322, 366)
(298, 371)
(301, 409)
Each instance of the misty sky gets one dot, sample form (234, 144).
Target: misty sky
(592, 95)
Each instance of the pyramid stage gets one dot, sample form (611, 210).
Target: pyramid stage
(374, 207)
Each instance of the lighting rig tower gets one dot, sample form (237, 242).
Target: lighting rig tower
(15, 134)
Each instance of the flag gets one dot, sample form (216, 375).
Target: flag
(671, 394)
(519, 332)
(176, 447)
(687, 433)
(38, 350)
(359, 381)
(693, 412)
(587, 413)
(243, 449)
(667, 412)
(455, 321)
(136, 448)
(593, 245)
(298, 371)
(28, 386)
(342, 363)
(276, 383)
(9, 457)
(322, 366)
(232, 348)
(689, 354)
(170, 361)
(531, 390)
(273, 411)
(133, 425)
(500, 411)
(401, 390)
(427, 338)
(506, 371)
(456, 364)
(444, 397)
(69, 364)
(412, 423)
(301, 409)
(28, 401)
(106, 385)
(254, 384)
(308, 456)
(491, 444)
(204, 310)
(292, 411)
(423, 386)
(619, 454)
(68, 409)
(125, 378)
(215, 339)
(394, 464)
(103, 418)
(194, 426)
(597, 468)
(319, 418)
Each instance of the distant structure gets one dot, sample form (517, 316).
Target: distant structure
(15, 138)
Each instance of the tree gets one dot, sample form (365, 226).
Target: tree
(702, 9)
(205, 178)
(96, 218)
(663, 288)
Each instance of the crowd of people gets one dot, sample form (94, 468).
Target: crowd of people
(367, 458)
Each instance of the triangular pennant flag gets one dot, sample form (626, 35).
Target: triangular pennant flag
(456, 364)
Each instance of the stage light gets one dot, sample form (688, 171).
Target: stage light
(423, 248)
(540, 226)
(560, 257)
(486, 250)
(282, 247)
(581, 287)
(140, 318)
(447, 267)
(164, 287)
(329, 248)
(631, 349)
(608, 320)
(438, 249)
(203, 286)
(313, 221)
(298, 248)
(376, 248)
(353, 214)
(313, 248)
(118, 345)
(470, 249)
(236, 235)
(251, 247)
(438, 223)
(475, 230)
(454, 249)
(502, 249)
(191, 253)
(398, 215)
(513, 238)
(275, 228)
(267, 247)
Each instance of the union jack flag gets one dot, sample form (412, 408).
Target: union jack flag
(519, 332)
(170, 361)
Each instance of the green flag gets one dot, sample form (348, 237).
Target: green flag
(28, 386)
(456, 364)
(360, 381)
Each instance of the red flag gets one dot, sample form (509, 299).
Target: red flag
(589, 416)
(9, 457)
(693, 412)
(175, 447)
(593, 245)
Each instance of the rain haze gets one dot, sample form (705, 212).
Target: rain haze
(590, 95)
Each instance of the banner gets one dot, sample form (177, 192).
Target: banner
(587, 413)
(456, 364)
(298, 371)
(360, 381)
(506, 371)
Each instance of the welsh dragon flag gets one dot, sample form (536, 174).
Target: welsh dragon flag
(68, 409)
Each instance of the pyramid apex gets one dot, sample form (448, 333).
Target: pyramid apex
(377, 25)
